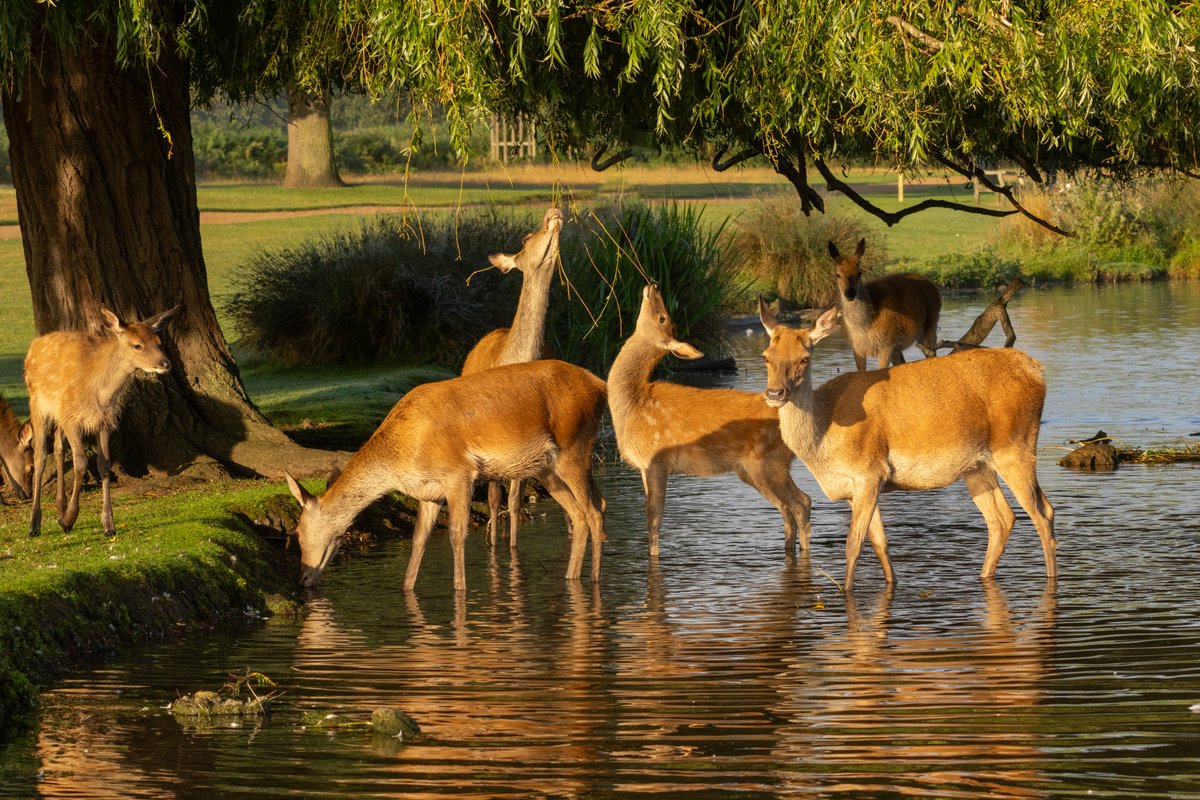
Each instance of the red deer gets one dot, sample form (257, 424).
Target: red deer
(914, 427)
(16, 451)
(886, 315)
(77, 382)
(664, 428)
(532, 420)
(524, 341)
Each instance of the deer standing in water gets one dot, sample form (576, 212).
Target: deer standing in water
(77, 382)
(532, 420)
(664, 428)
(886, 315)
(914, 427)
(16, 451)
(524, 341)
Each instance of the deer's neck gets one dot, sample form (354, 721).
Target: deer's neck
(112, 374)
(859, 312)
(629, 377)
(360, 484)
(803, 422)
(528, 332)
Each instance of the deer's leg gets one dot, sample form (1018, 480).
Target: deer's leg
(862, 511)
(40, 435)
(458, 505)
(565, 496)
(780, 491)
(879, 545)
(654, 480)
(895, 357)
(860, 361)
(997, 513)
(78, 466)
(1020, 473)
(104, 464)
(60, 486)
(494, 489)
(514, 512)
(426, 516)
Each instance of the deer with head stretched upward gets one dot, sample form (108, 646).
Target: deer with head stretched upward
(523, 341)
(532, 420)
(885, 315)
(77, 383)
(16, 451)
(917, 426)
(664, 428)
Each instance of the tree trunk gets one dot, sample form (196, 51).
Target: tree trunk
(310, 160)
(108, 214)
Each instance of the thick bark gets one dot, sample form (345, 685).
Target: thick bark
(108, 215)
(310, 141)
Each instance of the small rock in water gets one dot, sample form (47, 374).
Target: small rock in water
(1099, 456)
(394, 722)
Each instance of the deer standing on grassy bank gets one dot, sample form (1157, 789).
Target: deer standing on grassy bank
(664, 428)
(16, 451)
(77, 382)
(914, 427)
(524, 341)
(886, 315)
(531, 420)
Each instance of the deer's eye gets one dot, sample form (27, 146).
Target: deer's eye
(662, 319)
(138, 346)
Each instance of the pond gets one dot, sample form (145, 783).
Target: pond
(728, 667)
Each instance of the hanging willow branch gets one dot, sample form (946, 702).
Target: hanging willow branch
(720, 166)
(614, 159)
(797, 173)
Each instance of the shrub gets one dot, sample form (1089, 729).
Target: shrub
(230, 151)
(980, 270)
(787, 253)
(392, 291)
(611, 255)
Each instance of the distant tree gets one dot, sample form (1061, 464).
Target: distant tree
(310, 158)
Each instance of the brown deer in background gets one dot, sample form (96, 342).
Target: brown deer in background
(886, 315)
(914, 427)
(524, 341)
(664, 428)
(16, 451)
(531, 420)
(77, 382)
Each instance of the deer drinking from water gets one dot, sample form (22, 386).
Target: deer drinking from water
(532, 420)
(16, 451)
(524, 341)
(77, 383)
(917, 426)
(664, 428)
(885, 315)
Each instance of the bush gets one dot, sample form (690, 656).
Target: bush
(397, 292)
(980, 270)
(394, 291)
(787, 253)
(229, 151)
(611, 255)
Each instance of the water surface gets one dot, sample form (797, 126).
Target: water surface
(728, 667)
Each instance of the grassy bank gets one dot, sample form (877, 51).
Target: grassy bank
(183, 560)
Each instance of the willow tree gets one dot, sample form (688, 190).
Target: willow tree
(1054, 86)
(96, 97)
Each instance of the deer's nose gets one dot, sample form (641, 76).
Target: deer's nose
(775, 396)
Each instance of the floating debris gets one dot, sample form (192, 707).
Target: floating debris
(387, 721)
(235, 699)
(1103, 453)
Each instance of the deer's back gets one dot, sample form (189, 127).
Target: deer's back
(695, 431)
(72, 379)
(930, 421)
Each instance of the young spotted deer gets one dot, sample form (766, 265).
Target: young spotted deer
(664, 428)
(914, 427)
(524, 341)
(77, 382)
(886, 315)
(16, 451)
(531, 420)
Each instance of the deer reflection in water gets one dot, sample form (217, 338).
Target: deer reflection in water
(958, 702)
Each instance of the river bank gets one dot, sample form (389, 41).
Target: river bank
(184, 560)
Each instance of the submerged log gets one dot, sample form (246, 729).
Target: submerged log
(997, 311)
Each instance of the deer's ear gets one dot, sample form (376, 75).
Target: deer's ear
(25, 436)
(156, 322)
(861, 248)
(833, 251)
(683, 349)
(302, 495)
(766, 316)
(503, 261)
(111, 321)
(824, 325)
